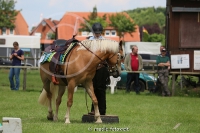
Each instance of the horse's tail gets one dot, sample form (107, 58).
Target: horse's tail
(43, 99)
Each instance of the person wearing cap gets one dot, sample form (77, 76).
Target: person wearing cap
(163, 63)
(101, 77)
(167, 53)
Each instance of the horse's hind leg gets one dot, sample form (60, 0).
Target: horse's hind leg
(49, 96)
(61, 91)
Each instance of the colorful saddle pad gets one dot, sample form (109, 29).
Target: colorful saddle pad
(47, 56)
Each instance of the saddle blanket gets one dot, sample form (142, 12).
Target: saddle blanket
(47, 56)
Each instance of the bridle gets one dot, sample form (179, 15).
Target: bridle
(111, 68)
(114, 69)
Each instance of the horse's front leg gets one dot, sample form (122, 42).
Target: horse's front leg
(90, 90)
(61, 91)
(70, 89)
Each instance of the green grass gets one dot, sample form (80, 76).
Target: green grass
(145, 113)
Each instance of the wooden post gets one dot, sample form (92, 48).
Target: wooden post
(24, 79)
(173, 83)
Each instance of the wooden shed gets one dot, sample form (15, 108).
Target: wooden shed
(183, 31)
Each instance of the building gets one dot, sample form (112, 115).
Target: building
(46, 29)
(70, 23)
(182, 34)
(29, 44)
(21, 27)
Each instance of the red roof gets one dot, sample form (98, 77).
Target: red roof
(21, 27)
(70, 23)
(48, 27)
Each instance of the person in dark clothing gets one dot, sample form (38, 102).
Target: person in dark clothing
(99, 84)
(16, 56)
(101, 76)
(163, 63)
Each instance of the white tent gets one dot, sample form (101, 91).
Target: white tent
(152, 48)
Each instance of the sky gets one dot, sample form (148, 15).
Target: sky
(34, 10)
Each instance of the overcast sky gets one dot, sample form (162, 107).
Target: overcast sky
(33, 10)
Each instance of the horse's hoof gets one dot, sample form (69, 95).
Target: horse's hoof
(67, 122)
(55, 119)
(98, 122)
(49, 118)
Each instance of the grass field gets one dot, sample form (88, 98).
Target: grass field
(145, 113)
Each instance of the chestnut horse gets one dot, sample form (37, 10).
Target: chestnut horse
(79, 68)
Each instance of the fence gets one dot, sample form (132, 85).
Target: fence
(149, 64)
(26, 59)
(24, 68)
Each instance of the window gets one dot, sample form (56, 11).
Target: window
(113, 32)
(90, 34)
(11, 31)
(4, 31)
(84, 33)
(107, 33)
(2, 41)
(110, 33)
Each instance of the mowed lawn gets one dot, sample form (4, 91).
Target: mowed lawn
(145, 113)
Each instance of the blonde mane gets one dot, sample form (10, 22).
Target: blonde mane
(102, 45)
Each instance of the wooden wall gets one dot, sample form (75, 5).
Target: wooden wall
(176, 32)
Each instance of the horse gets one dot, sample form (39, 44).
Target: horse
(79, 68)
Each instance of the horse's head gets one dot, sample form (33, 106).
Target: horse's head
(108, 51)
(114, 62)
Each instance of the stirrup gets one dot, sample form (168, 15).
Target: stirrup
(53, 79)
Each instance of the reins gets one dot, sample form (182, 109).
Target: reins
(93, 53)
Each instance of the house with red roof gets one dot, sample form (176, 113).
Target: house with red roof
(21, 27)
(46, 29)
(70, 24)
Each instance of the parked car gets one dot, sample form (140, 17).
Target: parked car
(5, 62)
(144, 79)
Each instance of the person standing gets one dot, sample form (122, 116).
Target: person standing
(163, 63)
(101, 76)
(133, 62)
(16, 56)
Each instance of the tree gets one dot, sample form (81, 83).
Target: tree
(157, 38)
(51, 36)
(150, 15)
(8, 14)
(122, 23)
(153, 28)
(93, 18)
(145, 37)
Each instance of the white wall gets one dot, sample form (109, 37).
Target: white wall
(24, 41)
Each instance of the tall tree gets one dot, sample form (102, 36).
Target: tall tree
(93, 18)
(8, 14)
(150, 15)
(122, 23)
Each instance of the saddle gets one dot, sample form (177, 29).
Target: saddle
(59, 46)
